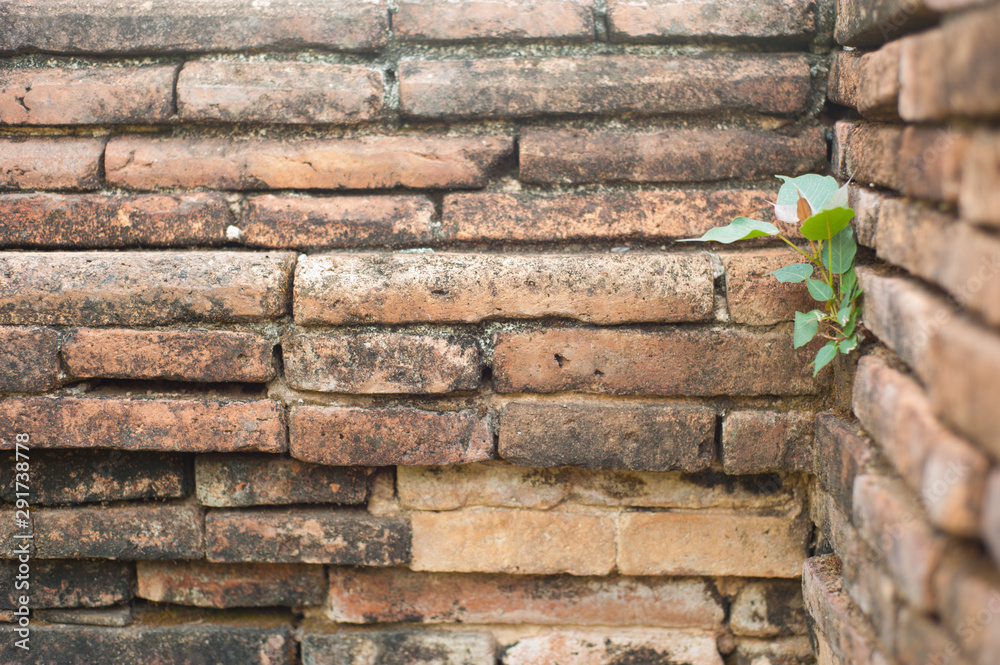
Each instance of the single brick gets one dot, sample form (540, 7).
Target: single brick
(87, 96)
(603, 84)
(258, 480)
(868, 153)
(645, 437)
(442, 20)
(931, 163)
(119, 532)
(565, 156)
(514, 541)
(757, 441)
(83, 221)
(387, 436)
(841, 453)
(754, 296)
(769, 609)
(633, 362)
(867, 82)
(620, 645)
(416, 647)
(978, 196)
(191, 26)
(143, 288)
(370, 162)
(727, 543)
(667, 20)
(65, 162)
(313, 535)
(967, 590)
(68, 583)
(279, 91)
(637, 215)
(969, 270)
(88, 476)
(360, 595)
(29, 359)
(301, 222)
(598, 288)
(866, 23)
(204, 584)
(181, 425)
(913, 237)
(202, 355)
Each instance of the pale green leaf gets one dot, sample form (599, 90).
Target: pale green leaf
(820, 291)
(826, 224)
(806, 326)
(797, 272)
(848, 283)
(824, 356)
(741, 228)
(848, 345)
(838, 253)
(816, 189)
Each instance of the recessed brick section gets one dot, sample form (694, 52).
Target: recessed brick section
(277, 91)
(255, 480)
(769, 609)
(645, 437)
(87, 476)
(143, 288)
(863, 23)
(65, 162)
(760, 441)
(665, 20)
(514, 541)
(932, 163)
(966, 587)
(603, 84)
(87, 96)
(204, 584)
(346, 537)
(641, 215)
(337, 221)
(387, 436)
(979, 198)
(401, 646)
(566, 156)
(624, 645)
(469, 288)
(98, 221)
(840, 454)
(67, 583)
(381, 362)
(29, 359)
(634, 362)
(119, 532)
(755, 297)
(371, 162)
(359, 595)
(190, 26)
(867, 82)
(868, 153)
(125, 423)
(441, 20)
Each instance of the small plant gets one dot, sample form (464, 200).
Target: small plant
(820, 208)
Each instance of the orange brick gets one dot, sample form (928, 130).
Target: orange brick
(755, 297)
(204, 584)
(868, 82)
(663, 20)
(969, 270)
(119, 532)
(441, 20)
(623, 645)
(913, 237)
(50, 163)
(840, 454)
(868, 153)
(758, 441)
(860, 23)
(931, 163)
(978, 197)
(29, 359)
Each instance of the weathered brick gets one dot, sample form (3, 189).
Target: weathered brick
(142, 288)
(201, 355)
(314, 535)
(841, 453)
(65, 162)
(969, 270)
(638, 215)
(417, 647)
(755, 441)
(382, 162)
(598, 288)
(622, 645)
(279, 91)
(922, 640)
(188, 26)
(781, 650)
(603, 84)
(565, 156)
(381, 362)
(931, 162)
(665, 20)
(255, 480)
(913, 237)
(633, 362)
(83, 221)
(967, 588)
(29, 359)
(514, 541)
(359, 595)
(387, 436)
(866, 204)
(337, 221)
(834, 531)
(755, 297)
(737, 543)
(204, 584)
(991, 515)
(182, 425)
(87, 96)
(768, 609)
(69, 583)
(648, 437)
(872, 589)
(867, 23)
(868, 152)
(119, 532)
(978, 197)
(441, 20)
(867, 82)
(102, 616)
(88, 476)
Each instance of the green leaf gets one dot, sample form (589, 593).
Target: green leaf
(848, 345)
(844, 313)
(838, 253)
(741, 228)
(826, 223)
(806, 326)
(852, 322)
(824, 356)
(820, 291)
(849, 283)
(797, 272)
(816, 189)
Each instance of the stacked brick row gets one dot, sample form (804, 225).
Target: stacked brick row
(908, 488)
(349, 333)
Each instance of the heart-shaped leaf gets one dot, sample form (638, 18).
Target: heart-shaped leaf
(824, 356)
(826, 223)
(806, 326)
(838, 253)
(741, 228)
(797, 272)
(820, 291)
(816, 189)
(848, 345)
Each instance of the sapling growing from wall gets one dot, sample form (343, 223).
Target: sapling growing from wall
(820, 209)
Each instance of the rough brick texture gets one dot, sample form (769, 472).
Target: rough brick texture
(663, 20)
(29, 359)
(402, 646)
(229, 585)
(69, 583)
(755, 297)
(441, 20)
(756, 441)
(255, 480)
(50, 163)
(624, 645)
